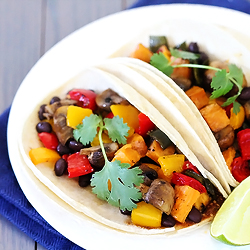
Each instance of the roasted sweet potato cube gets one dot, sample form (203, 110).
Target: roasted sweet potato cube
(215, 117)
(142, 53)
(198, 96)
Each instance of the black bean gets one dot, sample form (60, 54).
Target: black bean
(125, 212)
(41, 111)
(167, 220)
(60, 167)
(75, 145)
(43, 127)
(193, 47)
(245, 94)
(62, 149)
(195, 215)
(54, 99)
(84, 180)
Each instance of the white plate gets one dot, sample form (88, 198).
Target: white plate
(89, 44)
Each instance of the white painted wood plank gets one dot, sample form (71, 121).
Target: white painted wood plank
(20, 23)
(65, 16)
(11, 238)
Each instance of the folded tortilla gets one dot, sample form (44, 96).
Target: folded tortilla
(82, 199)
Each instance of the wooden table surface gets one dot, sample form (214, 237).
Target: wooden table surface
(28, 28)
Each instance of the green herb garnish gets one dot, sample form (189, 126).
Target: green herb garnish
(122, 178)
(221, 83)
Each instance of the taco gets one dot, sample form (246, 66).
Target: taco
(226, 141)
(187, 184)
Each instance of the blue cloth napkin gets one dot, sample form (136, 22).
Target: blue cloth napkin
(14, 205)
(17, 209)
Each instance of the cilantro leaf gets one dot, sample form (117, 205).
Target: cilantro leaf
(160, 62)
(87, 131)
(221, 84)
(236, 73)
(183, 54)
(117, 130)
(123, 193)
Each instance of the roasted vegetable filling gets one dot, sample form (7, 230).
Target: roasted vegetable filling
(218, 89)
(103, 141)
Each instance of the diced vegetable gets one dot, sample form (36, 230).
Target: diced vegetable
(129, 115)
(236, 120)
(142, 53)
(184, 72)
(105, 139)
(185, 198)
(188, 165)
(40, 155)
(215, 117)
(240, 169)
(137, 142)
(126, 154)
(155, 151)
(146, 215)
(164, 50)
(155, 42)
(202, 201)
(85, 97)
(198, 96)
(171, 163)
(243, 138)
(145, 125)
(78, 165)
(49, 140)
(160, 137)
(76, 114)
(183, 180)
(229, 155)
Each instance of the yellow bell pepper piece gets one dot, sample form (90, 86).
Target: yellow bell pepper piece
(236, 121)
(40, 155)
(171, 163)
(146, 215)
(105, 139)
(76, 114)
(129, 115)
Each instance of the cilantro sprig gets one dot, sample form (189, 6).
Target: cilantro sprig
(222, 82)
(116, 182)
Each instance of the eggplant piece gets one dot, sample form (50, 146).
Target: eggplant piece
(155, 42)
(161, 195)
(204, 181)
(95, 154)
(160, 137)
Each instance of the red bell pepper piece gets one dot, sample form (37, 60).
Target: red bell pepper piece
(145, 125)
(78, 165)
(182, 180)
(240, 169)
(243, 138)
(110, 115)
(49, 140)
(189, 165)
(85, 98)
(228, 109)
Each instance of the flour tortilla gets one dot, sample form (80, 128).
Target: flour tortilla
(82, 199)
(218, 44)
